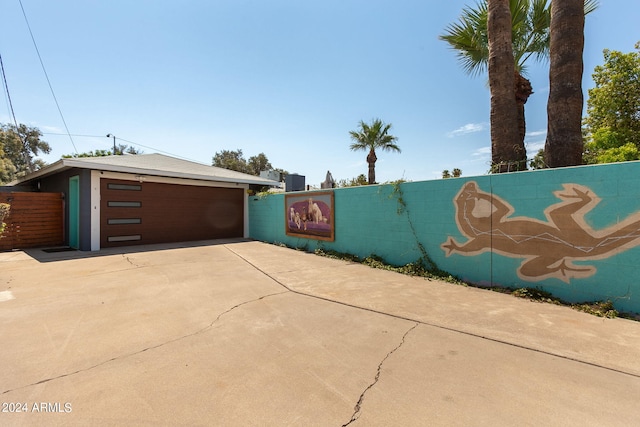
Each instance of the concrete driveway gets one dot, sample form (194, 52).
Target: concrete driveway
(242, 333)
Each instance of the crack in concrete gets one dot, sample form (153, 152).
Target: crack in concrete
(436, 325)
(357, 410)
(124, 356)
(130, 262)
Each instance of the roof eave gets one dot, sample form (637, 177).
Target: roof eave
(45, 171)
(63, 164)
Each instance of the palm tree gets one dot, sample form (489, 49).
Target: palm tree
(530, 24)
(505, 147)
(564, 144)
(371, 137)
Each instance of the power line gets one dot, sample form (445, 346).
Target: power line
(47, 77)
(128, 142)
(73, 134)
(6, 86)
(25, 153)
(160, 151)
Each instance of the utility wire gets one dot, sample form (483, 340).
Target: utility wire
(129, 142)
(6, 87)
(47, 76)
(25, 153)
(160, 151)
(64, 134)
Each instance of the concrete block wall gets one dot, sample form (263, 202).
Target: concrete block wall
(574, 232)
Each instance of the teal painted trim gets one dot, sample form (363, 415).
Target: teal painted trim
(74, 211)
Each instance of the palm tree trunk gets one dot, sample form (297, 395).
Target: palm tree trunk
(564, 143)
(504, 113)
(523, 91)
(372, 159)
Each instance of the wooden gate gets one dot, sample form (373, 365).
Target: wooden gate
(35, 220)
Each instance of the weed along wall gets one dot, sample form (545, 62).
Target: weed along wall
(573, 232)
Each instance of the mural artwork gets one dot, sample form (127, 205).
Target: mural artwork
(549, 248)
(310, 215)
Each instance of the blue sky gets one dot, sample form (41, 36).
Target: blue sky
(287, 78)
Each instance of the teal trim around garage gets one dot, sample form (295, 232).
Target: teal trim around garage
(74, 211)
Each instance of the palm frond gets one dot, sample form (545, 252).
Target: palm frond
(373, 136)
(468, 37)
(590, 6)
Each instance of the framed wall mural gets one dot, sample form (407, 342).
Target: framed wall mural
(310, 215)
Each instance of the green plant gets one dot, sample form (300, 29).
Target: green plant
(416, 268)
(535, 294)
(598, 308)
(4, 212)
(425, 260)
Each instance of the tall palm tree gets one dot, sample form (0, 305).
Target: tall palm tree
(564, 144)
(530, 24)
(371, 137)
(505, 147)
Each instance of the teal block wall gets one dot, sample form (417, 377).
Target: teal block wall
(371, 220)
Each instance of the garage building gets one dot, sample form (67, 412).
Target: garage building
(146, 198)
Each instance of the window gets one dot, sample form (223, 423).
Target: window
(124, 238)
(116, 221)
(124, 204)
(129, 187)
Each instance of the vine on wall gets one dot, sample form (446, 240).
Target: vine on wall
(425, 260)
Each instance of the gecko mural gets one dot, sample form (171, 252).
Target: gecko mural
(548, 248)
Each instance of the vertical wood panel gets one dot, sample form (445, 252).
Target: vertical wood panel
(35, 220)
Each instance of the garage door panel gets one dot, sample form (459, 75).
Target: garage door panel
(161, 213)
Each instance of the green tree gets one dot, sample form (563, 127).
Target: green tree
(232, 160)
(120, 150)
(538, 161)
(7, 169)
(127, 149)
(370, 137)
(18, 149)
(455, 173)
(353, 182)
(4, 212)
(257, 164)
(93, 153)
(613, 109)
(530, 27)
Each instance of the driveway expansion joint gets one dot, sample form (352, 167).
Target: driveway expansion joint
(357, 410)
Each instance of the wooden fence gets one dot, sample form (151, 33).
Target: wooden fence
(35, 220)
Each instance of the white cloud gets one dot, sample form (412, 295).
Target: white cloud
(466, 129)
(482, 151)
(533, 148)
(535, 142)
(537, 133)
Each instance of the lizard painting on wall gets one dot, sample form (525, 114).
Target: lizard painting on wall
(548, 248)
